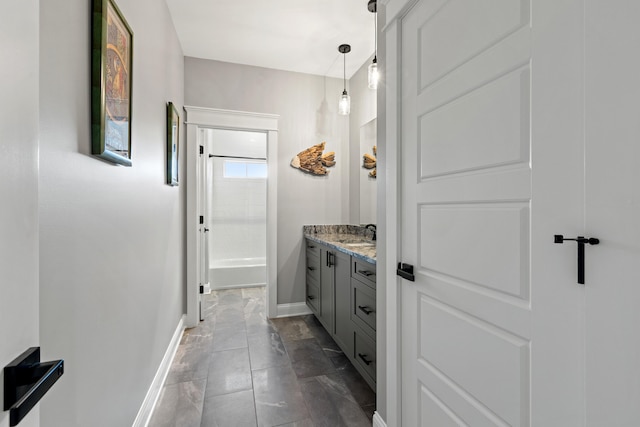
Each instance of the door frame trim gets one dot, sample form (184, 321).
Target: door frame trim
(197, 118)
(389, 342)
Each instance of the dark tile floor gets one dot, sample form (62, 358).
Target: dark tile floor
(238, 368)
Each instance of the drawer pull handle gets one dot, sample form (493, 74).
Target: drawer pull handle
(364, 359)
(310, 268)
(311, 297)
(366, 310)
(311, 247)
(365, 273)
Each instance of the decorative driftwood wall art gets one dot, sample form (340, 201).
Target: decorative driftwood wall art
(369, 162)
(313, 161)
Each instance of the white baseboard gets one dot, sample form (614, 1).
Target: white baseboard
(378, 421)
(150, 400)
(295, 309)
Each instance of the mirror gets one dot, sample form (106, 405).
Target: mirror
(368, 185)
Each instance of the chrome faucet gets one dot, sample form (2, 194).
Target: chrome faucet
(369, 227)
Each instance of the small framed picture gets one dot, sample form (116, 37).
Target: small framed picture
(111, 71)
(173, 137)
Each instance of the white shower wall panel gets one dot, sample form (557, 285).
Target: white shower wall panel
(237, 216)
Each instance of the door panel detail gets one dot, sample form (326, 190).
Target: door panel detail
(451, 233)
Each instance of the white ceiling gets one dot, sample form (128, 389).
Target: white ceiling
(292, 35)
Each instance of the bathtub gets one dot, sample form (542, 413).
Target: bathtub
(237, 272)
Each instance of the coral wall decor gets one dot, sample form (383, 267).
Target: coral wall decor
(313, 161)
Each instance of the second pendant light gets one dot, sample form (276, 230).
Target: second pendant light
(344, 106)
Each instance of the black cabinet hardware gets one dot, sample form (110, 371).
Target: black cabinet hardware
(26, 380)
(406, 271)
(366, 310)
(364, 359)
(206, 230)
(366, 272)
(311, 297)
(311, 247)
(581, 240)
(330, 261)
(310, 268)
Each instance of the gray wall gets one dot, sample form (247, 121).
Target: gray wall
(307, 106)
(363, 110)
(112, 276)
(18, 186)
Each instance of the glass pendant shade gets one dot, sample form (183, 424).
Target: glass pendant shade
(374, 75)
(344, 106)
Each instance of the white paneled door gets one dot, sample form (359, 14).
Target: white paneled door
(492, 167)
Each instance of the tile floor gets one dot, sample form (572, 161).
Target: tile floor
(238, 368)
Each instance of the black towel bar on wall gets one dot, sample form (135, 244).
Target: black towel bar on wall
(26, 380)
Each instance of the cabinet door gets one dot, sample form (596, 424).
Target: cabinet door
(343, 326)
(313, 277)
(326, 288)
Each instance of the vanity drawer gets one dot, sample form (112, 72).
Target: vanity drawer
(364, 272)
(313, 297)
(365, 354)
(363, 307)
(312, 248)
(313, 267)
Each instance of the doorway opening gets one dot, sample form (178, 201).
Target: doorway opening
(241, 161)
(236, 199)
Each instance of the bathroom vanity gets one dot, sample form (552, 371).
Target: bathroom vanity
(341, 290)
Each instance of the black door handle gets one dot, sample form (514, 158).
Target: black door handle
(559, 238)
(406, 271)
(581, 240)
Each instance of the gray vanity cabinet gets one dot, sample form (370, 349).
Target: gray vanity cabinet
(327, 271)
(363, 319)
(341, 293)
(313, 277)
(334, 277)
(343, 334)
(327, 274)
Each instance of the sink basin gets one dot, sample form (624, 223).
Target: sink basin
(360, 245)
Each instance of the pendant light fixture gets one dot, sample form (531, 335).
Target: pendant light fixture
(344, 106)
(373, 74)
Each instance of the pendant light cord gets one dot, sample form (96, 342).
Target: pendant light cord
(375, 33)
(344, 71)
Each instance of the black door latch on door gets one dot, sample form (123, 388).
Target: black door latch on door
(581, 240)
(406, 271)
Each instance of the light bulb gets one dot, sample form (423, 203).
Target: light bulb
(374, 75)
(344, 106)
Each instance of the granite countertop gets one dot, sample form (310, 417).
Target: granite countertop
(352, 240)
